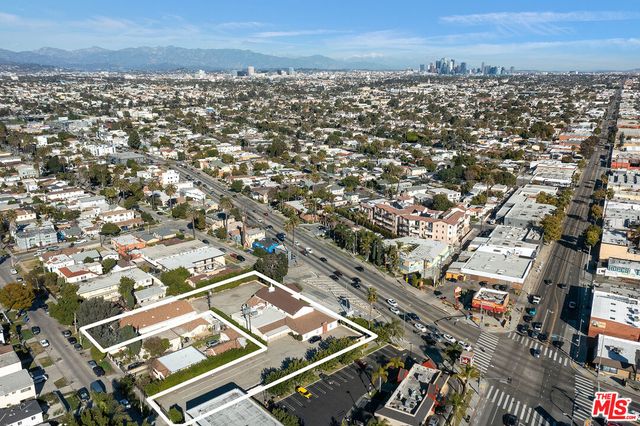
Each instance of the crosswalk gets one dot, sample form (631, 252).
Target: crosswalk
(584, 391)
(544, 348)
(526, 415)
(485, 347)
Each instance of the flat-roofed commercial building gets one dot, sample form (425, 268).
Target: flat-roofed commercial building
(490, 301)
(614, 315)
(245, 412)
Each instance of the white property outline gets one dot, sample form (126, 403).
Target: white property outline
(251, 392)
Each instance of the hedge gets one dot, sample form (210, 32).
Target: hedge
(226, 277)
(234, 322)
(199, 368)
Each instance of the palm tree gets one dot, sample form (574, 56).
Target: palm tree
(469, 372)
(376, 421)
(290, 226)
(154, 186)
(395, 362)
(192, 212)
(453, 352)
(457, 403)
(372, 297)
(395, 329)
(170, 190)
(226, 204)
(381, 375)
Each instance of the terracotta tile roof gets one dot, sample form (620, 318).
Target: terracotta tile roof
(157, 315)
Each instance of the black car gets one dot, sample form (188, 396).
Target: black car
(562, 285)
(359, 268)
(510, 420)
(483, 283)
(268, 227)
(240, 258)
(413, 316)
(338, 273)
(205, 241)
(72, 340)
(533, 334)
(323, 259)
(543, 337)
(78, 347)
(281, 236)
(355, 284)
(134, 365)
(83, 394)
(502, 287)
(527, 318)
(35, 330)
(523, 328)
(547, 282)
(98, 371)
(66, 333)
(356, 280)
(334, 277)
(315, 339)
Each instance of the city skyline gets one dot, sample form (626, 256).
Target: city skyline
(541, 35)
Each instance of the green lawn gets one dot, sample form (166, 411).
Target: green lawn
(46, 362)
(26, 334)
(73, 400)
(61, 382)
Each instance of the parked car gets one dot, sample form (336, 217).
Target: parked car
(125, 403)
(134, 365)
(35, 330)
(315, 339)
(66, 333)
(83, 394)
(98, 371)
(240, 258)
(211, 343)
(98, 387)
(13, 271)
(304, 392)
(537, 326)
(44, 343)
(92, 363)
(78, 347)
(72, 340)
(40, 378)
(535, 352)
(361, 363)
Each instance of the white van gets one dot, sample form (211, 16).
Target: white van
(535, 299)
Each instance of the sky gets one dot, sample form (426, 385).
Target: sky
(544, 35)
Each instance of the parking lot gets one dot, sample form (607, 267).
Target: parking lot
(333, 396)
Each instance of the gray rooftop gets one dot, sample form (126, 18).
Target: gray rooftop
(243, 413)
(14, 382)
(182, 359)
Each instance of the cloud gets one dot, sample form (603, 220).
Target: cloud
(541, 23)
(271, 34)
(500, 18)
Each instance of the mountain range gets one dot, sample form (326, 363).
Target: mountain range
(171, 58)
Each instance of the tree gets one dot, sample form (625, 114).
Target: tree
(273, 265)
(457, 403)
(592, 235)
(286, 418)
(377, 421)
(105, 411)
(290, 226)
(381, 375)
(108, 265)
(551, 227)
(236, 186)
(17, 296)
(610, 193)
(441, 202)
(220, 233)
(599, 194)
(67, 306)
(175, 414)
(126, 333)
(596, 212)
(96, 309)
(372, 297)
(170, 190)
(226, 204)
(134, 140)
(126, 291)
(175, 280)
(395, 362)
(453, 352)
(468, 372)
(110, 229)
(156, 346)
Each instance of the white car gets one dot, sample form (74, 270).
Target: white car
(420, 327)
(392, 302)
(13, 272)
(297, 243)
(465, 345)
(308, 249)
(44, 343)
(394, 310)
(449, 338)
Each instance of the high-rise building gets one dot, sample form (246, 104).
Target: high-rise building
(423, 68)
(250, 71)
(463, 67)
(291, 71)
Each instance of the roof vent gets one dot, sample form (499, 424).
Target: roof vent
(272, 289)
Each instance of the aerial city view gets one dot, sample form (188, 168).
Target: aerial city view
(319, 213)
